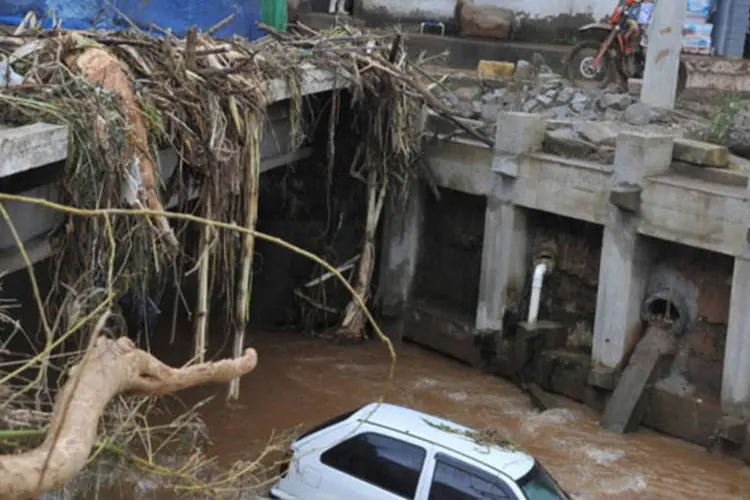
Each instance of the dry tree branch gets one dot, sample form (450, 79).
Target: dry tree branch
(103, 212)
(110, 368)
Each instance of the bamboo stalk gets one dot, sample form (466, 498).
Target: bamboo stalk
(201, 313)
(251, 156)
(353, 322)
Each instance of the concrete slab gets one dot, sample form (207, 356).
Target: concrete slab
(31, 146)
(622, 413)
(700, 153)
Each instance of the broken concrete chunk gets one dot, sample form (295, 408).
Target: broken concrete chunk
(599, 133)
(523, 70)
(638, 114)
(490, 112)
(700, 153)
(616, 101)
(565, 95)
(566, 142)
(530, 106)
(544, 100)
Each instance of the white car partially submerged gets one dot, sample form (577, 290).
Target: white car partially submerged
(383, 452)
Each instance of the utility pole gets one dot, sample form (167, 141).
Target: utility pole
(663, 53)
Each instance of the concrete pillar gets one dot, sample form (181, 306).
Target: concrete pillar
(663, 54)
(505, 239)
(735, 385)
(626, 257)
(401, 236)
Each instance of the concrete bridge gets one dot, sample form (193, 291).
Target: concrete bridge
(32, 156)
(639, 197)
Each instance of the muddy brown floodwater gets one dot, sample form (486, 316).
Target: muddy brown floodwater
(304, 381)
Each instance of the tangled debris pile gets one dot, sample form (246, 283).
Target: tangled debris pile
(124, 96)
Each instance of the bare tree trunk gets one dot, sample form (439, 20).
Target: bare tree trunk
(252, 179)
(100, 67)
(112, 367)
(201, 313)
(354, 320)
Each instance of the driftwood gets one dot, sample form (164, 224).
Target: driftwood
(101, 67)
(110, 368)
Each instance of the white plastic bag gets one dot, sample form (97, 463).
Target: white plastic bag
(8, 77)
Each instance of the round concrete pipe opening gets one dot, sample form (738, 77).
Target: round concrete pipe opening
(665, 309)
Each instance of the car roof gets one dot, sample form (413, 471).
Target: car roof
(447, 434)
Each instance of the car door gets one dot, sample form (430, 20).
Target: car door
(454, 478)
(374, 464)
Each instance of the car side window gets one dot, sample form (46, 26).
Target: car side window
(455, 480)
(387, 463)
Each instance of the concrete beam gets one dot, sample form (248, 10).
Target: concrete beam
(505, 233)
(663, 55)
(31, 146)
(626, 257)
(735, 384)
(403, 223)
(34, 222)
(462, 166)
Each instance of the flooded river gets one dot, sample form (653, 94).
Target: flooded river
(303, 381)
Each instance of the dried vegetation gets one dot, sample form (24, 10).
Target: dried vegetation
(125, 96)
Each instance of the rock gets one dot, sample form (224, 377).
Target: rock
(488, 97)
(599, 133)
(552, 82)
(612, 115)
(486, 21)
(501, 95)
(638, 114)
(565, 95)
(700, 153)
(579, 106)
(616, 101)
(490, 112)
(530, 105)
(523, 70)
(561, 112)
(590, 115)
(476, 107)
(566, 142)
(544, 100)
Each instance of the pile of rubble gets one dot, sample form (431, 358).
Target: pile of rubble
(583, 121)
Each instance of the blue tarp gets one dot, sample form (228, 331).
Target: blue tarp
(177, 15)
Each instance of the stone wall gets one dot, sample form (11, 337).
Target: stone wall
(569, 293)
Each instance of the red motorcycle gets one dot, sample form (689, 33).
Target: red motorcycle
(611, 50)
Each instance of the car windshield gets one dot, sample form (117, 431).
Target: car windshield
(539, 485)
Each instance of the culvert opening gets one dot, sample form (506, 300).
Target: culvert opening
(663, 312)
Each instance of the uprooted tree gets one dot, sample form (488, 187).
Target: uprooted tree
(123, 97)
(109, 368)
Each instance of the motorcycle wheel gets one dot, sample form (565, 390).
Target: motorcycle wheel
(580, 68)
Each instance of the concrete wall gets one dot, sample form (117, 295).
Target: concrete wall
(538, 17)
